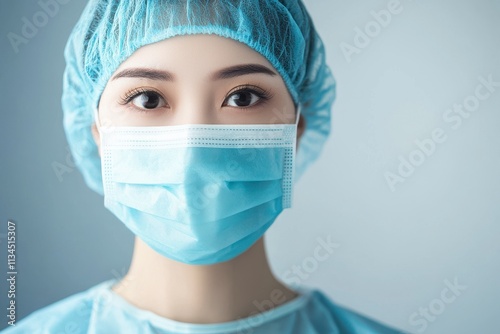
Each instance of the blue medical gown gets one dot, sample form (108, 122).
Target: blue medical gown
(99, 310)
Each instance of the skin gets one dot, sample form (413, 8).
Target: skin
(225, 291)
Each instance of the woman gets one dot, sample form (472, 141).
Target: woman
(187, 117)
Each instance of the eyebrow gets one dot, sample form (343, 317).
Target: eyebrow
(238, 70)
(225, 73)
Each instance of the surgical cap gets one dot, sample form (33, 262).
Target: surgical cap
(108, 32)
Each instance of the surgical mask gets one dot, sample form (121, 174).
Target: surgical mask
(198, 193)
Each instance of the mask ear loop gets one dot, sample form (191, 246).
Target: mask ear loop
(96, 120)
(295, 149)
(297, 117)
(98, 125)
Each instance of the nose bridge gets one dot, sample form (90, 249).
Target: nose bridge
(195, 105)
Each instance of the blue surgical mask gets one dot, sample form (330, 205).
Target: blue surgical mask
(198, 194)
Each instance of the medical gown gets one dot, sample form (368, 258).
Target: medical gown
(99, 310)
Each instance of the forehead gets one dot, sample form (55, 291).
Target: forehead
(200, 53)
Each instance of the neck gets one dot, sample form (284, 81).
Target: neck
(238, 288)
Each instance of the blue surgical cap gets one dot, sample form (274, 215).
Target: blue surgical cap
(108, 32)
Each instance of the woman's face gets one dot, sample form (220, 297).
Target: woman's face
(195, 79)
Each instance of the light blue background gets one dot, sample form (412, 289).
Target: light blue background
(395, 248)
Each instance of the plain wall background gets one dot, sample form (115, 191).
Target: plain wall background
(395, 249)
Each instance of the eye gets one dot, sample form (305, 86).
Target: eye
(144, 99)
(242, 99)
(246, 97)
(148, 100)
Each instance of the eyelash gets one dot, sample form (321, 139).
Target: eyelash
(263, 94)
(133, 93)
